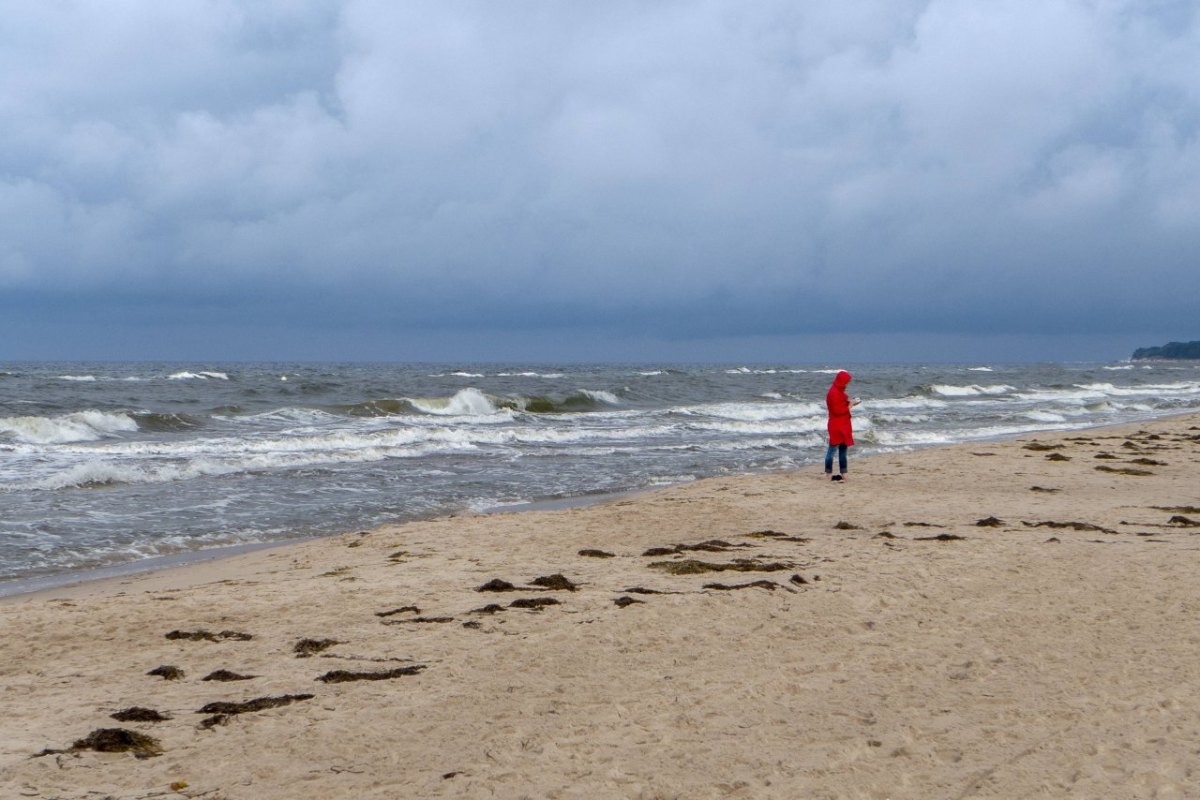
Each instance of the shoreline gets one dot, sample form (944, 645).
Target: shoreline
(986, 619)
(17, 589)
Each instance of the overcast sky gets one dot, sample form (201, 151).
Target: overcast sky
(574, 180)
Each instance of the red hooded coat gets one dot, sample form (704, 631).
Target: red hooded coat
(840, 430)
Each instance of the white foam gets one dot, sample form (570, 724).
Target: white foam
(529, 375)
(80, 426)
(1180, 388)
(204, 375)
(78, 378)
(902, 419)
(791, 427)
(289, 414)
(902, 403)
(974, 390)
(1044, 416)
(749, 371)
(753, 412)
(980, 369)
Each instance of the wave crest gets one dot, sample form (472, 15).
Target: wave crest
(80, 426)
(973, 390)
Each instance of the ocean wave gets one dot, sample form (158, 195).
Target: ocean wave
(973, 390)
(376, 408)
(893, 438)
(1094, 392)
(78, 378)
(468, 402)
(162, 462)
(754, 412)
(288, 415)
(601, 396)
(980, 369)
(530, 375)
(769, 371)
(204, 375)
(1179, 388)
(1044, 416)
(79, 426)
(166, 423)
(793, 427)
(902, 403)
(900, 419)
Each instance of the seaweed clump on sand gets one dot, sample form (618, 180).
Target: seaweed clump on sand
(209, 636)
(167, 672)
(401, 610)
(139, 714)
(1075, 526)
(114, 740)
(941, 537)
(1123, 470)
(309, 647)
(225, 675)
(777, 536)
(692, 566)
(764, 584)
(591, 553)
(625, 602)
(710, 546)
(554, 583)
(533, 603)
(497, 585)
(989, 522)
(223, 710)
(346, 676)
(490, 608)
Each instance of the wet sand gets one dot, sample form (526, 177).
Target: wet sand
(1001, 620)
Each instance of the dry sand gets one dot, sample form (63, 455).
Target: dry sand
(890, 647)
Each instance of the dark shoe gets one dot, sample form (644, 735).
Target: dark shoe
(835, 477)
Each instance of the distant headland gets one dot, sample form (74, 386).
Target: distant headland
(1185, 350)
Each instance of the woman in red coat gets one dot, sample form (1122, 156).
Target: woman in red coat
(841, 433)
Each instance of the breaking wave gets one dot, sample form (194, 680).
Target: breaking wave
(79, 426)
(973, 390)
(187, 376)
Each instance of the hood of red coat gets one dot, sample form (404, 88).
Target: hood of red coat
(842, 378)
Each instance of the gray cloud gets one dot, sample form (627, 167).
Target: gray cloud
(683, 170)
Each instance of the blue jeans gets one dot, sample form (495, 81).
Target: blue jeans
(841, 451)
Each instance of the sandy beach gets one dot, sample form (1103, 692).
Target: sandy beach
(1010, 619)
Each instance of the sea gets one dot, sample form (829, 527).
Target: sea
(107, 465)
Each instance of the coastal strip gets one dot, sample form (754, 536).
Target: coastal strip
(991, 619)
